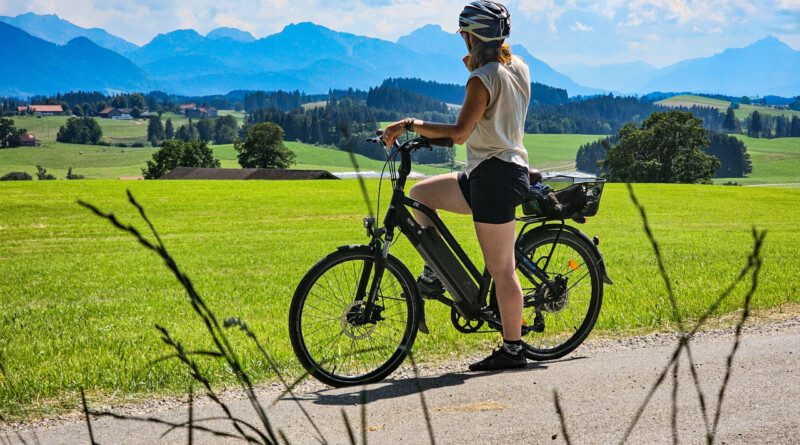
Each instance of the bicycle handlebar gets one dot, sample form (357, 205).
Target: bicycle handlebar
(414, 144)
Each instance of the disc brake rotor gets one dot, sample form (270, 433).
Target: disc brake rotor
(557, 304)
(352, 330)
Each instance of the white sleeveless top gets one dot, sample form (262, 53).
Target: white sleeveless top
(499, 133)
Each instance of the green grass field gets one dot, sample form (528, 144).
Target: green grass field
(775, 161)
(78, 299)
(687, 100)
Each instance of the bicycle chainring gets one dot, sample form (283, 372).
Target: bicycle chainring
(462, 324)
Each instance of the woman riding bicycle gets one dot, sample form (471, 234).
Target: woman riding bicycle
(496, 180)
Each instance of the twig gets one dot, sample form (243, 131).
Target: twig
(425, 410)
(674, 417)
(235, 321)
(349, 428)
(88, 420)
(364, 416)
(560, 413)
(657, 250)
(191, 414)
(212, 325)
(756, 259)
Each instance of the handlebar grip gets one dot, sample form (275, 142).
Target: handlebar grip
(441, 142)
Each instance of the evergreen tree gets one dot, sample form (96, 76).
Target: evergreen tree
(169, 130)
(782, 127)
(732, 154)
(155, 130)
(731, 123)
(756, 126)
(795, 130)
(77, 111)
(205, 129)
(590, 154)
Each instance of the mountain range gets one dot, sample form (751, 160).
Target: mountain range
(61, 56)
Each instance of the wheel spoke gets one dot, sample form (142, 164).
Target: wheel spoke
(337, 349)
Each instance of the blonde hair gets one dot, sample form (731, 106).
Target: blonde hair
(483, 53)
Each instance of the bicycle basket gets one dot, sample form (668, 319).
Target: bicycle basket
(579, 200)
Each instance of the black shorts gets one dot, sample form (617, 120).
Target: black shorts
(494, 189)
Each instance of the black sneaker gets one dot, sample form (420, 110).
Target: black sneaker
(429, 284)
(500, 359)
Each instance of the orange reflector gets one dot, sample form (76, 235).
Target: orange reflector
(524, 323)
(573, 265)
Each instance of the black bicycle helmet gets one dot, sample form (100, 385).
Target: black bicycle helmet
(486, 20)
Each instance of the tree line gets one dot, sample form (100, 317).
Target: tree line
(604, 114)
(220, 130)
(346, 123)
(541, 94)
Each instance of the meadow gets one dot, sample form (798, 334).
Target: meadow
(547, 152)
(79, 299)
(775, 161)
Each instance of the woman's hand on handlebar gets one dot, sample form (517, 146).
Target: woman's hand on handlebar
(393, 131)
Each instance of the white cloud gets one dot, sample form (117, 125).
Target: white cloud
(578, 26)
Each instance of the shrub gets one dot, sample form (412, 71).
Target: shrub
(42, 174)
(175, 153)
(17, 176)
(70, 175)
(137, 144)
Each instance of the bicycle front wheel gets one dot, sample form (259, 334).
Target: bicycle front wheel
(326, 325)
(567, 318)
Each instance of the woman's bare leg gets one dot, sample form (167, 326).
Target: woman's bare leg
(497, 244)
(439, 193)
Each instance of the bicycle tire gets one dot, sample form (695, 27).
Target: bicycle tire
(336, 351)
(570, 319)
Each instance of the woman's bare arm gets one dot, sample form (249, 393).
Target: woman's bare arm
(475, 102)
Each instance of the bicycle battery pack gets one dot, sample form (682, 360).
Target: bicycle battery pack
(453, 275)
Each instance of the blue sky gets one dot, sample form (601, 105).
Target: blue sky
(561, 32)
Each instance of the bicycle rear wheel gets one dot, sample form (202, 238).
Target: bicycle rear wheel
(568, 318)
(324, 319)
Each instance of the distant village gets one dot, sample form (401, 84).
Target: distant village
(189, 110)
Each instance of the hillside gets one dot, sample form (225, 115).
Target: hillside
(688, 100)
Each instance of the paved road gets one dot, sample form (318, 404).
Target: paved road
(600, 385)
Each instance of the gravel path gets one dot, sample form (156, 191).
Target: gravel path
(600, 385)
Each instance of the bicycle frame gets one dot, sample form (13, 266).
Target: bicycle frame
(466, 284)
